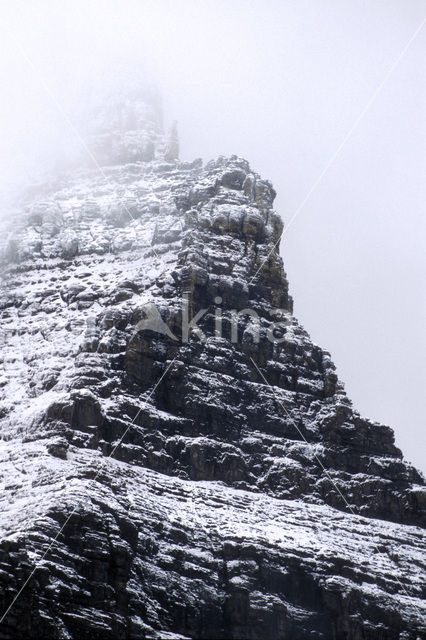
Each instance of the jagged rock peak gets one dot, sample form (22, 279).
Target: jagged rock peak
(185, 484)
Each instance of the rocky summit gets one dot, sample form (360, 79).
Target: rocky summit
(178, 459)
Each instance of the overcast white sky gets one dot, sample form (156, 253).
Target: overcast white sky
(280, 83)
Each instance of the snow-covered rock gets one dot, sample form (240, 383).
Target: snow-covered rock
(207, 483)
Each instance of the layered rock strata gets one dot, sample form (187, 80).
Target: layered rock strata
(178, 459)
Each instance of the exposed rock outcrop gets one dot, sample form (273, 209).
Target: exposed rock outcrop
(180, 479)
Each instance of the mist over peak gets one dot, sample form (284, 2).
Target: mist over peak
(281, 84)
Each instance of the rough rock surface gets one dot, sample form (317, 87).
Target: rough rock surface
(210, 484)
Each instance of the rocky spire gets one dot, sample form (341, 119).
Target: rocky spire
(172, 147)
(184, 483)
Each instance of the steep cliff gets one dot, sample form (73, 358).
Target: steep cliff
(178, 459)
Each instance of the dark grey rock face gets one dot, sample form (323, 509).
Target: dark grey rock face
(214, 482)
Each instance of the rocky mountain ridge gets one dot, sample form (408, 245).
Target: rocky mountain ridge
(172, 485)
